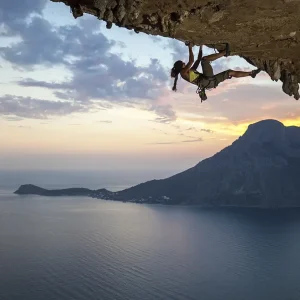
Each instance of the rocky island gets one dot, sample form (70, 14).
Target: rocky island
(260, 169)
(30, 189)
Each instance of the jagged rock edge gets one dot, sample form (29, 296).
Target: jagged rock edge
(127, 13)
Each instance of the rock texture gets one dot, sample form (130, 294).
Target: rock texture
(265, 32)
(260, 169)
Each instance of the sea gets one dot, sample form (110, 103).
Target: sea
(79, 248)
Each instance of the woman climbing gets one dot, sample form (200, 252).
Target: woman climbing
(207, 80)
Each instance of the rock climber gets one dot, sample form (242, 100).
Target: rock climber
(207, 79)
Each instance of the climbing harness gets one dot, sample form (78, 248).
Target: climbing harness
(201, 92)
(201, 89)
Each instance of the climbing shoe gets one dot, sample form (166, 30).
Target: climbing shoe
(227, 50)
(255, 72)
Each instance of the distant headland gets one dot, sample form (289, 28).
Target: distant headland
(260, 169)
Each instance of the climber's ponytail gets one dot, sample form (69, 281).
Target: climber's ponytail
(175, 72)
(175, 84)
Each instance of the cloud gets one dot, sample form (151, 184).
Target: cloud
(86, 53)
(160, 130)
(202, 129)
(250, 101)
(165, 113)
(27, 107)
(13, 14)
(97, 74)
(157, 39)
(178, 50)
(116, 80)
(104, 121)
(193, 141)
(175, 126)
(207, 130)
(44, 44)
(13, 118)
(179, 142)
(39, 44)
(36, 83)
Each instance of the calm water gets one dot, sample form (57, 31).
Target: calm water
(82, 248)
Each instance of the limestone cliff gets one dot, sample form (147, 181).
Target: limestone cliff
(264, 32)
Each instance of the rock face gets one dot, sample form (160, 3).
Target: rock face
(264, 32)
(260, 169)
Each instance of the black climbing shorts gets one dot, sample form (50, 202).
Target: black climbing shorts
(213, 80)
(222, 76)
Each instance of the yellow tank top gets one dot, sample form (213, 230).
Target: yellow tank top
(193, 75)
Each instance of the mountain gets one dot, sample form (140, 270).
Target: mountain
(260, 169)
(265, 33)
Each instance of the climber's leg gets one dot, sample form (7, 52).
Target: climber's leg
(239, 74)
(214, 56)
(207, 68)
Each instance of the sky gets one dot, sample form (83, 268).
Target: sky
(77, 96)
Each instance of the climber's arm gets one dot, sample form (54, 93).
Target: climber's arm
(191, 59)
(200, 53)
(197, 62)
